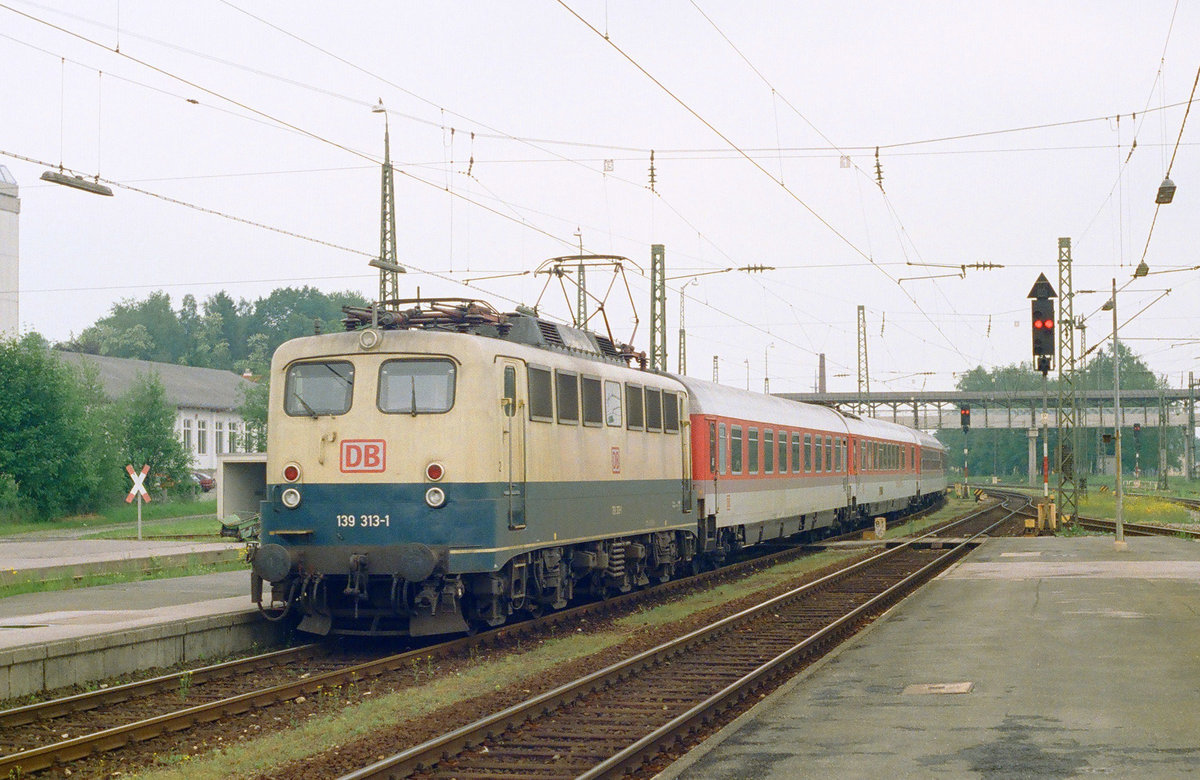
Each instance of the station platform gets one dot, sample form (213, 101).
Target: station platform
(65, 637)
(1031, 657)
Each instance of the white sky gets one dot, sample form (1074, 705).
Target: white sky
(864, 74)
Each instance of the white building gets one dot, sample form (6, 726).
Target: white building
(205, 400)
(10, 210)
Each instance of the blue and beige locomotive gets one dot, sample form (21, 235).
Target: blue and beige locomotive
(441, 468)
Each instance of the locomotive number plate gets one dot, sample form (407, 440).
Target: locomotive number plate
(364, 521)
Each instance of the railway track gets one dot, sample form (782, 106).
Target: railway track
(1130, 529)
(612, 721)
(39, 736)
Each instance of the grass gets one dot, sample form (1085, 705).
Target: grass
(1135, 509)
(285, 740)
(199, 525)
(116, 515)
(112, 578)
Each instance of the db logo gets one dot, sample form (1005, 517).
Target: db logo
(616, 460)
(363, 455)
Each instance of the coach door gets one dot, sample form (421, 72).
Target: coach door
(513, 446)
(716, 454)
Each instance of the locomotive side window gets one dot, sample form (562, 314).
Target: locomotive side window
(723, 455)
(735, 448)
(593, 402)
(612, 404)
(510, 391)
(416, 386)
(752, 450)
(634, 407)
(808, 453)
(566, 385)
(653, 409)
(768, 452)
(319, 388)
(795, 453)
(670, 412)
(541, 395)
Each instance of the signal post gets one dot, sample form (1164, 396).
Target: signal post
(1042, 322)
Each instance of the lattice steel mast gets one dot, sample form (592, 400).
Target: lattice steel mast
(1068, 380)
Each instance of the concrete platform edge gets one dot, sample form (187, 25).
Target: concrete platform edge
(681, 766)
(34, 668)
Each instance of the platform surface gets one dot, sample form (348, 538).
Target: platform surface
(41, 618)
(1078, 661)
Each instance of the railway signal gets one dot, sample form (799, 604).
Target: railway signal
(965, 414)
(1043, 323)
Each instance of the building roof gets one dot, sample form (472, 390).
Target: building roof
(185, 386)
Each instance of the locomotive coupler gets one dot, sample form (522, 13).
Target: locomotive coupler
(356, 580)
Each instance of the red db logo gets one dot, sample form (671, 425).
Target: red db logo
(363, 455)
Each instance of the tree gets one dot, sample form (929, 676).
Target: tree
(143, 426)
(52, 441)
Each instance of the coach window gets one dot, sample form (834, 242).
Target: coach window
(735, 449)
(566, 387)
(752, 451)
(808, 453)
(795, 453)
(541, 395)
(837, 454)
(634, 408)
(318, 388)
(653, 409)
(612, 404)
(724, 444)
(782, 439)
(593, 402)
(768, 452)
(670, 412)
(829, 453)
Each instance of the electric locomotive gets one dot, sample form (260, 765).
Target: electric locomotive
(437, 469)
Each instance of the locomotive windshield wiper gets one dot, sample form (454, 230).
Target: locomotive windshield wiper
(334, 371)
(311, 412)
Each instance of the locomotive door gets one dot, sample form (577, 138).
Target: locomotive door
(513, 447)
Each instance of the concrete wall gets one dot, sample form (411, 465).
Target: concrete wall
(10, 209)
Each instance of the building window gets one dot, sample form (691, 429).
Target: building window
(218, 437)
(235, 439)
(187, 436)
(201, 437)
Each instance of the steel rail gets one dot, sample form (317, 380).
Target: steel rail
(1133, 529)
(453, 742)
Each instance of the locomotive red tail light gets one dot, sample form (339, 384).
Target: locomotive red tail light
(291, 472)
(434, 472)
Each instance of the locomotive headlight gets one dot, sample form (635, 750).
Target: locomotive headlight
(435, 497)
(290, 498)
(369, 339)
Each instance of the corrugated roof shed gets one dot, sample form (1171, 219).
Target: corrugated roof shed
(186, 386)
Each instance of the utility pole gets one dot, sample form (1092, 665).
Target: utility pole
(1162, 441)
(389, 268)
(683, 329)
(864, 375)
(1068, 379)
(658, 307)
(1189, 435)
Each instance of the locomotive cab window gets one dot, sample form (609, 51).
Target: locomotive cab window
(319, 388)
(541, 395)
(566, 385)
(416, 386)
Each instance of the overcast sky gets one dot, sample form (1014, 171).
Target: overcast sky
(1001, 127)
